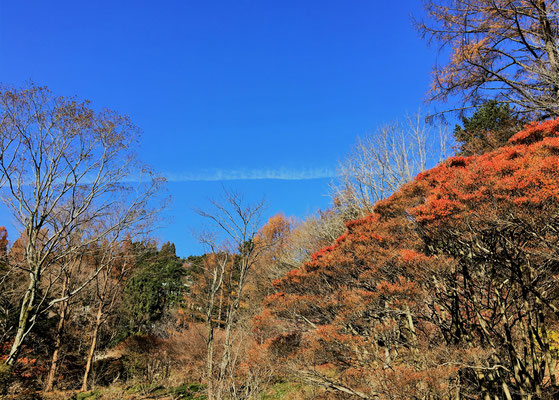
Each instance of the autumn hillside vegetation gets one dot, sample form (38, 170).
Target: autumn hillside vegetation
(429, 277)
(448, 290)
(432, 275)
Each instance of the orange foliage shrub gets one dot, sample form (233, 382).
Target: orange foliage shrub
(432, 294)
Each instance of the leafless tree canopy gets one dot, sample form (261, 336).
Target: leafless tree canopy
(237, 222)
(71, 180)
(499, 49)
(383, 161)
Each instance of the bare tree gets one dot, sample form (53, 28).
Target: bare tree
(71, 179)
(70, 269)
(499, 49)
(239, 224)
(215, 264)
(116, 261)
(382, 162)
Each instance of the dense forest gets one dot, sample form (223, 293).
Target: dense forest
(432, 275)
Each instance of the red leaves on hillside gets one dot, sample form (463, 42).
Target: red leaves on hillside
(536, 131)
(462, 258)
(524, 174)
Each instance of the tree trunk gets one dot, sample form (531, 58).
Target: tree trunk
(231, 314)
(58, 340)
(209, 360)
(22, 327)
(227, 345)
(91, 354)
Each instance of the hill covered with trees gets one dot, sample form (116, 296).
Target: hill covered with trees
(446, 289)
(434, 273)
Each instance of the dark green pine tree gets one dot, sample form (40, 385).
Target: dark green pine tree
(490, 127)
(156, 286)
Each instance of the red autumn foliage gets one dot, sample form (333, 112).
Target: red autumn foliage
(435, 293)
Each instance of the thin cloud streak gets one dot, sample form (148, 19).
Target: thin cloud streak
(251, 174)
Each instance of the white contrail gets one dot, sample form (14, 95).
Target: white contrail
(239, 174)
(251, 174)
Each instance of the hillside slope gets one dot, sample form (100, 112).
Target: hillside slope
(448, 289)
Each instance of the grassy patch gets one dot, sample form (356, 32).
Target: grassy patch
(188, 391)
(282, 390)
(91, 395)
(144, 389)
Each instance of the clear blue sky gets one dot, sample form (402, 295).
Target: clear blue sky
(228, 91)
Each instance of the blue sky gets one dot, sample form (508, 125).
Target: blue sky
(264, 97)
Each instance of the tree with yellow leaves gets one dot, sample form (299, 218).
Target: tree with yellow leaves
(504, 50)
